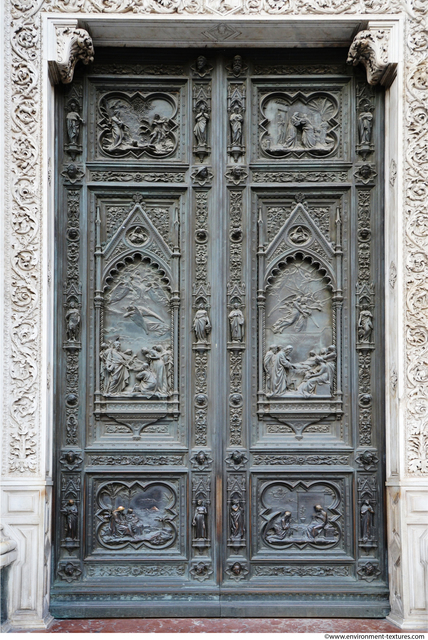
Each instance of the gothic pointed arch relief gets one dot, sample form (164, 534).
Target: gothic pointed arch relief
(136, 323)
(300, 236)
(299, 269)
(138, 234)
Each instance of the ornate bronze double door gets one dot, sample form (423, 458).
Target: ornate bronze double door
(219, 376)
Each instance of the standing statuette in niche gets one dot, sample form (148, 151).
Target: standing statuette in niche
(367, 513)
(365, 126)
(236, 521)
(72, 318)
(199, 521)
(201, 124)
(236, 320)
(71, 519)
(73, 121)
(236, 120)
(201, 325)
(365, 324)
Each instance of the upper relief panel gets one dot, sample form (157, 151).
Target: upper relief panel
(300, 121)
(138, 121)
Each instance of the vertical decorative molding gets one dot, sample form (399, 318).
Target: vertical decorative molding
(23, 240)
(201, 302)
(365, 318)
(236, 305)
(72, 302)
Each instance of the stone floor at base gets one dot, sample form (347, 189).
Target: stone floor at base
(223, 625)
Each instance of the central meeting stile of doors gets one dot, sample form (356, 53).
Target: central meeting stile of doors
(219, 356)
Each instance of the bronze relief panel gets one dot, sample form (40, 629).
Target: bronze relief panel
(144, 121)
(302, 314)
(301, 515)
(301, 120)
(140, 515)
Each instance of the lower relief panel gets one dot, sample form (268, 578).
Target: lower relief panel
(301, 519)
(137, 517)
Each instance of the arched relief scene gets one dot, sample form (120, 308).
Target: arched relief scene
(299, 331)
(301, 267)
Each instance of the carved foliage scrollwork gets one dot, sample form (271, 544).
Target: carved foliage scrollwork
(236, 308)
(24, 376)
(201, 322)
(365, 317)
(133, 570)
(300, 176)
(72, 302)
(223, 31)
(312, 571)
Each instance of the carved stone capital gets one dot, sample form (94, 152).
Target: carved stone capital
(72, 44)
(372, 47)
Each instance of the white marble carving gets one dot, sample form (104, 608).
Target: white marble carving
(371, 49)
(72, 45)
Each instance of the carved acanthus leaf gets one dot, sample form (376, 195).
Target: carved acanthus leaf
(72, 45)
(370, 47)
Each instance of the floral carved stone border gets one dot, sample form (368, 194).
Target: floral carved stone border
(24, 203)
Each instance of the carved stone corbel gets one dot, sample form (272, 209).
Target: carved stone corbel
(371, 48)
(72, 44)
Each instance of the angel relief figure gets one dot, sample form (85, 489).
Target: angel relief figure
(295, 298)
(138, 300)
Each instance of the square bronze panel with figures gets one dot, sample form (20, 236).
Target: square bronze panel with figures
(139, 514)
(138, 121)
(301, 515)
(301, 120)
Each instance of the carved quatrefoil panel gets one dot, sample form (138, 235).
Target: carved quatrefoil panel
(300, 514)
(299, 125)
(137, 124)
(136, 514)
